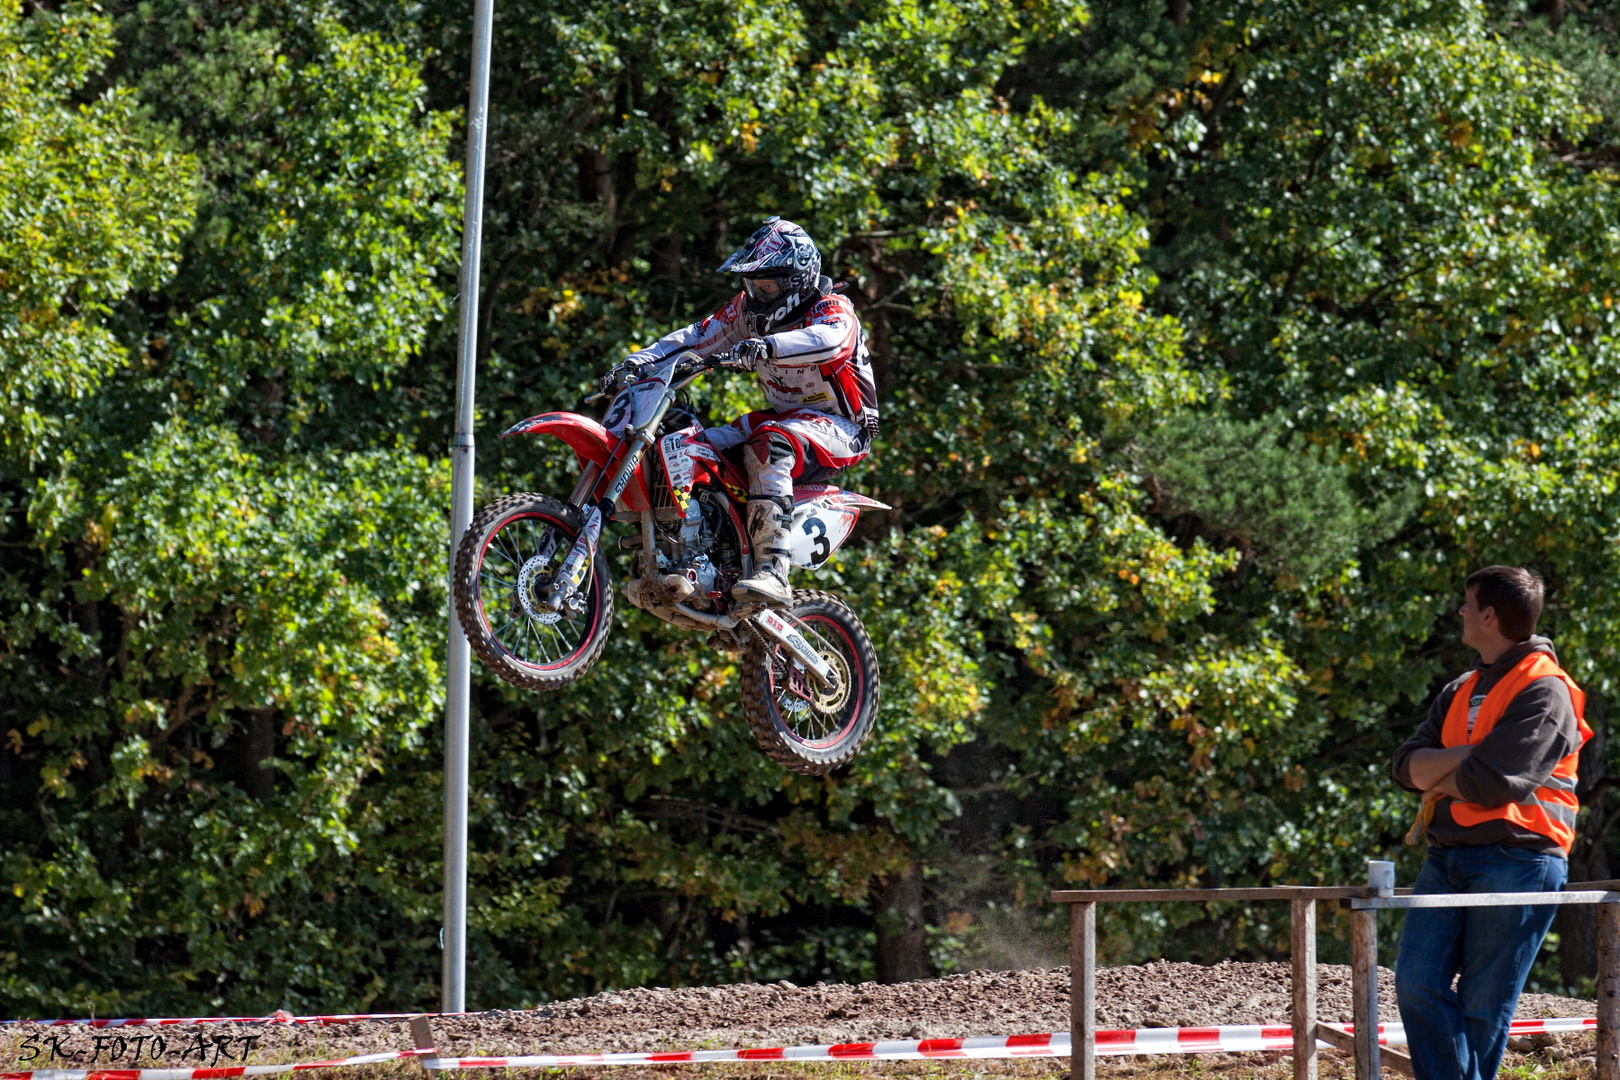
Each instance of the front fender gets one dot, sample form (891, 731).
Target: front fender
(590, 442)
(584, 436)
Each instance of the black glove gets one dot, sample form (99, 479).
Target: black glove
(749, 353)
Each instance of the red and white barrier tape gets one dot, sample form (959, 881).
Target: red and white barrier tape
(1235, 1038)
(206, 1074)
(279, 1017)
(1554, 1025)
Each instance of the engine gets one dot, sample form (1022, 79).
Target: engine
(695, 551)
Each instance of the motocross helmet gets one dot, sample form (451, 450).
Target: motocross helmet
(781, 272)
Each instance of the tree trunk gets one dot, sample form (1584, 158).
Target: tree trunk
(902, 946)
(258, 780)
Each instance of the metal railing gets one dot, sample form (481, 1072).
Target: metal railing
(1364, 902)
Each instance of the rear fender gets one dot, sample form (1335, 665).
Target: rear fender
(590, 442)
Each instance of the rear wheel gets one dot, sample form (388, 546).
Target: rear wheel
(504, 568)
(805, 727)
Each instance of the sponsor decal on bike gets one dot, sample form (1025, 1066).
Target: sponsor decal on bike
(626, 471)
(676, 450)
(787, 634)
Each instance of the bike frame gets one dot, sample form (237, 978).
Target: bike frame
(613, 469)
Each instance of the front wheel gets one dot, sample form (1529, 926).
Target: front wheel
(504, 568)
(804, 727)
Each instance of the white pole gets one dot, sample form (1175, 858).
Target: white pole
(453, 995)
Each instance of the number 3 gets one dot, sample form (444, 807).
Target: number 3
(814, 527)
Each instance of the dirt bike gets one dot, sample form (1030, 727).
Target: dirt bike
(532, 588)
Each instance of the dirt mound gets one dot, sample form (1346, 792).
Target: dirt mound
(978, 1003)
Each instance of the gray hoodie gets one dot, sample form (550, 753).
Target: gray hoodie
(1536, 731)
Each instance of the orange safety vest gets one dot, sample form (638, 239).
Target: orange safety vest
(1551, 809)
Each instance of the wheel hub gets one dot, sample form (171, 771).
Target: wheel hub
(830, 699)
(531, 578)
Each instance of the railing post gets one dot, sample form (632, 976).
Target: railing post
(1364, 990)
(1302, 954)
(1083, 991)
(1608, 992)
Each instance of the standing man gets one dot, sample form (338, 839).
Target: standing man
(1496, 759)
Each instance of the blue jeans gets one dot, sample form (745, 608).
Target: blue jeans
(1460, 1034)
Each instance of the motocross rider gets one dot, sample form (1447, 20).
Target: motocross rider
(802, 338)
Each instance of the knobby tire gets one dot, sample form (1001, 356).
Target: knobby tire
(481, 544)
(777, 735)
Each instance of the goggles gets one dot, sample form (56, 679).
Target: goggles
(762, 288)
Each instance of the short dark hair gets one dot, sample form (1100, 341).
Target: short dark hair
(1516, 594)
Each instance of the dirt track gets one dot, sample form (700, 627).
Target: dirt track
(980, 1003)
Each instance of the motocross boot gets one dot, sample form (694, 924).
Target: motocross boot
(768, 521)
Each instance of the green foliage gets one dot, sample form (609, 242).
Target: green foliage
(1212, 354)
(94, 204)
(220, 635)
(319, 263)
(282, 597)
(1282, 502)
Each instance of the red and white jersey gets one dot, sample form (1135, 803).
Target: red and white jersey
(821, 363)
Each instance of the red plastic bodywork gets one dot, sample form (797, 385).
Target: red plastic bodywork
(721, 474)
(590, 442)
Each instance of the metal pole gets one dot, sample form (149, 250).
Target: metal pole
(457, 703)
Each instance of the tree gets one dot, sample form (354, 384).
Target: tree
(1215, 344)
(95, 204)
(220, 637)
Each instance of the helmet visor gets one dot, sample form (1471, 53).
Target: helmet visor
(764, 289)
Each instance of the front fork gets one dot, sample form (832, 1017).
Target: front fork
(571, 575)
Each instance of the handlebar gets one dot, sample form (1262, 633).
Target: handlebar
(684, 373)
(727, 360)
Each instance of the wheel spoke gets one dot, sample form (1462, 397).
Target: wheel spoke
(548, 640)
(512, 641)
(529, 647)
(488, 582)
(523, 539)
(803, 713)
(493, 547)
(504, 543)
